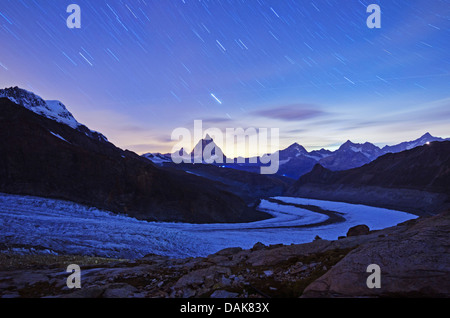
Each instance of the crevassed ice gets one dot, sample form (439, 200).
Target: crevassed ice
(75, 229)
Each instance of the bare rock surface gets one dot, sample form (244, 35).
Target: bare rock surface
(415, 262)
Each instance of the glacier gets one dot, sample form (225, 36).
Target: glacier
(69, 228)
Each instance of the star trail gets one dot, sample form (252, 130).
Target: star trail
(137, 69)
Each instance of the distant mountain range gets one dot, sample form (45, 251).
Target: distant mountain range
(415, 180)
(249, 185)
(295, 161)
(412, 176)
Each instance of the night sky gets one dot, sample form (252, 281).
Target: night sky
(136, 69)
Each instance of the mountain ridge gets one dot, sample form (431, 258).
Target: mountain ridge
(42, 157)
(295, 160)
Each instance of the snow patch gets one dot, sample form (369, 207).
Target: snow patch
(58, 136)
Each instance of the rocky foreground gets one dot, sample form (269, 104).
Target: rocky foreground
(413, 257)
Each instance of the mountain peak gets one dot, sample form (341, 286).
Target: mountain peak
(348, 144)
(296, 147)
(54, 110)
(51, 109)
(426, 138)
(426, 135)
(208, 138)
(213, 149)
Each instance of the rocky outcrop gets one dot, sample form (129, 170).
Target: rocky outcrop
(413, 257)
(414, 261)
(358, 230)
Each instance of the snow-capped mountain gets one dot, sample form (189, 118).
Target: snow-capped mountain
(296, 161)
(407, 145)
(351, 155)
(367, 149)
(51, 109)
(319, 154)
(207, 151)
(158, 158)
(294, 150)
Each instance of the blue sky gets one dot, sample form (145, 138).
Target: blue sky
(136, 69)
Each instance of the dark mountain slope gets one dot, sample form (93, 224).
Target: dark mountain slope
(39, 156)
(248, 185)
(416, 180)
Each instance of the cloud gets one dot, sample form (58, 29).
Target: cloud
(217, 120)
(131, 128)
(293, 112)
(163, 139)
(297, 131)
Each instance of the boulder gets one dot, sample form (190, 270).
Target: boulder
(358, 230)
(119, 290)
(199, 277)
(258, 246)
(229, 251)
